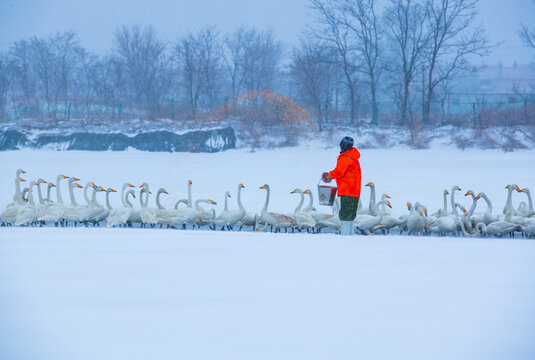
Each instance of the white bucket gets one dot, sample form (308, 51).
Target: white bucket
(326, 193)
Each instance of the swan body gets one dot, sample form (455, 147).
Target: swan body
(9, 215)
(148, 215)
(230, 218)
(105, 212)
(368, 223)
(28, 213)
(488, 217)
(303, 219)
(119, 216)
(271, 218)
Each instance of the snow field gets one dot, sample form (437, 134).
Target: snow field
(163, 294)
(90, 293)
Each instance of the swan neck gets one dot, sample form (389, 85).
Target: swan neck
(445, 208)
(266, 203)
(158, 204)
(71, 193)
(48, 192)
(40, 194)
(86, 195)
(108, 205)
(300, 205)
(372, 200)
(59, 198)
(474, 204)
(226, 202)
(240, 205)
(18, 196)
(190, 199)
(126, 201)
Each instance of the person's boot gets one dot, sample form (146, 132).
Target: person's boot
(346, 228)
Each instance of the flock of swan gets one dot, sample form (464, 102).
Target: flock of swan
(375, 219)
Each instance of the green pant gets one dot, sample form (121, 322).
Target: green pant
(348, 208)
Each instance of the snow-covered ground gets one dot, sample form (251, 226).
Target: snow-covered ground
(90, 293)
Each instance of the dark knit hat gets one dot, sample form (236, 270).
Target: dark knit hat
(346, 144)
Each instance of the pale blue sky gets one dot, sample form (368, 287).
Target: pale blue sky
(96, 20)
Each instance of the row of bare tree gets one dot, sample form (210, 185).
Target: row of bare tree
(354, 55)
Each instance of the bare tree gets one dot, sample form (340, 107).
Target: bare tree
(5, 83)
(334, 31)
(451, 40)
(143, 56)
(44, 67)
(312, 72)
(527, 35)
(362, 19)
(197, 60)
(24, 80)
(405, 21)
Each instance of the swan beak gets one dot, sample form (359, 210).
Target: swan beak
(142, 185)
(478, 196)
(213, 202)
(130, 185)
(65, 177)
(43, 180)
(507, 187)
(52, 184)
(189, 182)
(293, 192)
(388, 197)
(150, 192)
(21, 179)
(458, 188)
(522, 190)
(113, 190)
(446, 192)
(425, 212)
(80, 186)
(368, 184)
(102, 189)
(199, 218)
(22, 171)
(165, 191)
(241, 185)
(262, 187)
(517, 188)
(389, 205)
(76, 179)
(467, 193)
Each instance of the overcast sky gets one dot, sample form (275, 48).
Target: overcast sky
(96, 20)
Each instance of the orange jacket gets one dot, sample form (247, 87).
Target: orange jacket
(347, 173)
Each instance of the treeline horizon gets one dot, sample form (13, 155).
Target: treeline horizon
(354, 64)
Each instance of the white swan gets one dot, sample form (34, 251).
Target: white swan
(371, 207)
(303, 219)
(530, 202)
(488, 216)
(54, 211)
(188, 201)
(452, 200)
(103, 215)
(119, 216)
(229, 218)
(9, 215)
(450, 223)
(28, 213)
(498, 228)
(415, 220)
(73, 212)
(310, 207)
(271, 218)
(18, 195)
(444, 210)
(366, 224)
(509, 202)
(149, 216)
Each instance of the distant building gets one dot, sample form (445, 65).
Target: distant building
(497, 79)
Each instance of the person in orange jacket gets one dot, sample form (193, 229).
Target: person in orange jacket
(348, 177)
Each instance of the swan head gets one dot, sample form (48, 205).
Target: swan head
(21, 179)
(79, 186)
(51, 184)
(387, 196)
(41, 181)
(213, 202)
(165, 191)
(369, 184)
(478, 196)
(409, 205)
(389, 205)
(20, 171)
(242, 186)
(265, 186)
(457, 188)
(111, 190)
(189, 182)
(469, 192)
